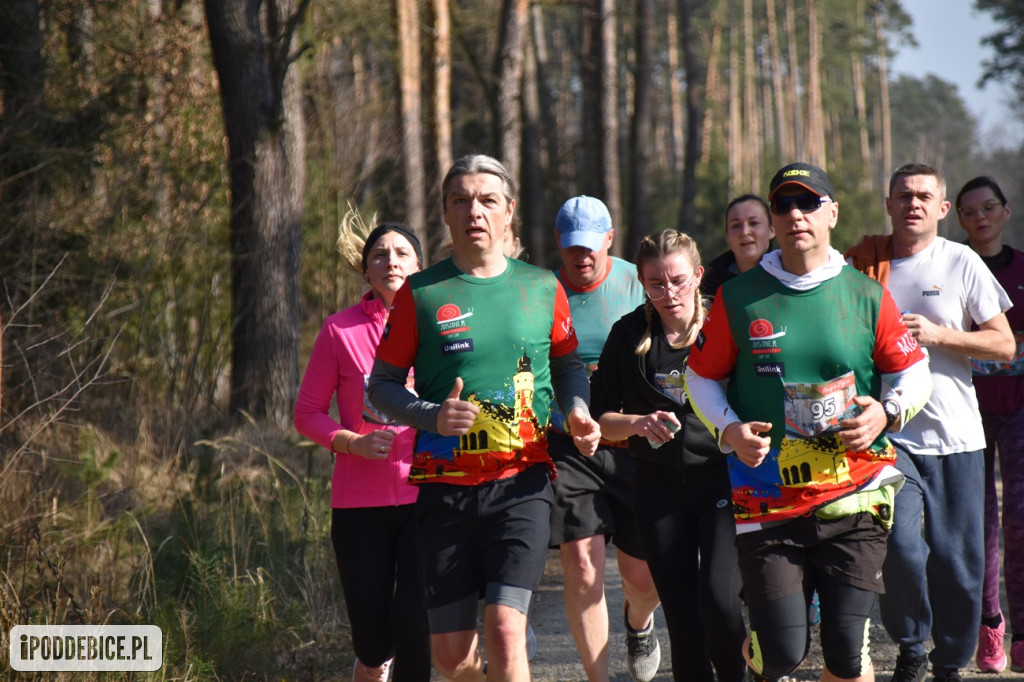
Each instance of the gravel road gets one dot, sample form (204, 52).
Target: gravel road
(557, 658)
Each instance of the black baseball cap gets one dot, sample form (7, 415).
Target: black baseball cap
(803, 174)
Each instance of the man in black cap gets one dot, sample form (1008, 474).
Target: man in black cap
(787, 373)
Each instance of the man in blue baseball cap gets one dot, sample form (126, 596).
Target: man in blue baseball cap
(594, 495)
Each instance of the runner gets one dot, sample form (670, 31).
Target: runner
(787, 374)
(489, 338)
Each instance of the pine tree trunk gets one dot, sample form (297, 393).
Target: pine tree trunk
(264, 125)
(675, 95)
(694, 113)
(411, 115)
(883, 96)
(531, 191)
(509, 70)
(815, 145)
(754, 142)
(546, 100)
(714, 90)
(441, 112)
(785, 138)
(588, 148)
(642, 138)
(735, 131)
(793, 86)
(610, 116)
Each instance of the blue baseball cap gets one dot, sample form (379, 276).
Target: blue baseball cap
(583, 221)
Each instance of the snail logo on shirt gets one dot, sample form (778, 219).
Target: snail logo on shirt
(763, 337)
(451, 319)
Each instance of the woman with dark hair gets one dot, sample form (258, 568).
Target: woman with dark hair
(749, 233)
(983, 210)
(682, 497)
(372, 521)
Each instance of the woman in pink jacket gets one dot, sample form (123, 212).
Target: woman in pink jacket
(372, 522)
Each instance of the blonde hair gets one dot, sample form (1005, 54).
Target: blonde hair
(659, 246)
(352, 233)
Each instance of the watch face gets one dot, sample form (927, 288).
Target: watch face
(892, 410)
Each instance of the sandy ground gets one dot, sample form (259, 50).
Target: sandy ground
(557, 658)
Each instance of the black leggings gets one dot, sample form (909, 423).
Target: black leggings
(687, 531)
(380, 578)
(780, 637)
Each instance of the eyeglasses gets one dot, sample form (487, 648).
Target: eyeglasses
(656, 292)
(807, 203)
(987, 209)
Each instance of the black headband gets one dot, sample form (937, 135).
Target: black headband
(382, 230)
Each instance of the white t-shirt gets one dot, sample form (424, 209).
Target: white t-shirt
(950, 285)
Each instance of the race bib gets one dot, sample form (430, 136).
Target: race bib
(813, 409)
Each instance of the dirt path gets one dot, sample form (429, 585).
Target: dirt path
(557, 658)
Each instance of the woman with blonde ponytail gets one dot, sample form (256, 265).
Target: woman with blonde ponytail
(682, 501)
(372, 521)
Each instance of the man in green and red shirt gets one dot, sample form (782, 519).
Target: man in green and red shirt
(787, 373)
(491, 340)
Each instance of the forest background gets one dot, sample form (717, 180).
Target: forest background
(172, 177)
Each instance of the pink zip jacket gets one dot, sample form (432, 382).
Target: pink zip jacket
(339, 365)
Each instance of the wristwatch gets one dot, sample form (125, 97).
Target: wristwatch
(892, 412)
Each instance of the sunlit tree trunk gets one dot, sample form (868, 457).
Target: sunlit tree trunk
(251, 42)
(815, 145)
(411, 115)
(737, 169)
(793, 86)
(785, 137)
(440, 130)
(714, 89)
(883, 97)
(754, 142)
(860, 102)
(640, 196)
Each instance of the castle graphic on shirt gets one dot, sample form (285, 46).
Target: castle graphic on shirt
(500, 433)
(502, 427)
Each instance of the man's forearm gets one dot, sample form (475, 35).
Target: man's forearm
(387, 392)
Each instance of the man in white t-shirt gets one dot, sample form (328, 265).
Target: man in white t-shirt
(933, 576)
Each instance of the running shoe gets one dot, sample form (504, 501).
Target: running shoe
(991, 658)
(363, 673)
(1017, 657)
(643, 653)
(910, 668)
(949, 676)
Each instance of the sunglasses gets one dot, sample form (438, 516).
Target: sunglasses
(807, 203)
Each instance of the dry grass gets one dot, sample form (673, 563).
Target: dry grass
(223, 542)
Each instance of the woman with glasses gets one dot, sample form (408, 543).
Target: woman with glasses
(682, 497)
(373, 527)
(749, 233)
(983, 211)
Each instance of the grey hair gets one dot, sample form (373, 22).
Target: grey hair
(471, 164)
